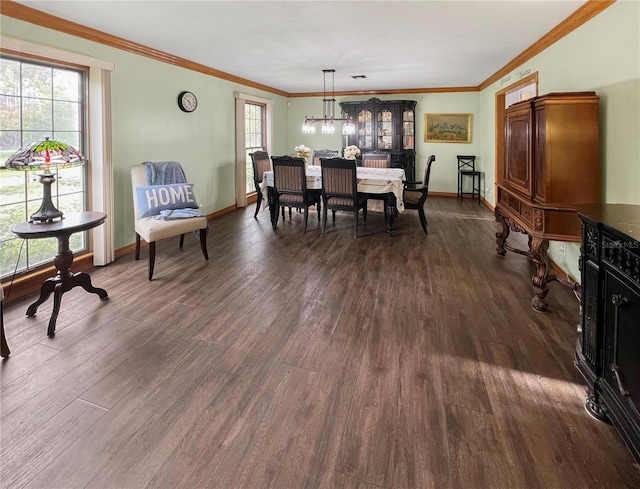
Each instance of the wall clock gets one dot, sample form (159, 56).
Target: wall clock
(187, 101)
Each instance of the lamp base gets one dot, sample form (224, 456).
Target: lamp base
(47, 211)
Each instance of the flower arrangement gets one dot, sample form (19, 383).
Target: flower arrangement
(351, 152)
(302, 151)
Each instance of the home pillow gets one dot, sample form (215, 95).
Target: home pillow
(155, 198)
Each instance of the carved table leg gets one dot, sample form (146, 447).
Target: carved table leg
(501, 236)
(539, 247)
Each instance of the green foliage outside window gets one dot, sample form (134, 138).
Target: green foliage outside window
(37, 101)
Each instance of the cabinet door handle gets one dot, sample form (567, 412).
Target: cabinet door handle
(618, 300)
(618, 375)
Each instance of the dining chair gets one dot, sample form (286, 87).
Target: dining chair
(414, 197)
(153, 230)
(376, 159)
(261, 163)
(340, 190)
(290, 187)
(323, 153)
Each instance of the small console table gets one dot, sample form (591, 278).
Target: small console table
(64, 279)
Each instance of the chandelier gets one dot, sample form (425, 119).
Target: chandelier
(328, 109)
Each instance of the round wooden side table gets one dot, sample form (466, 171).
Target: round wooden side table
(73, 222)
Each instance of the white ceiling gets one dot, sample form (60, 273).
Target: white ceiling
(286, 45)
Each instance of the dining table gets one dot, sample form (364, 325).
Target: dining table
(386, 181)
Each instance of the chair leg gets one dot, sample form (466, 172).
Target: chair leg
(274, 223)
(290, 212)
(324, 217)
(203, 243)
(152, 258)
(258, 202)
(355, 222)
(181, 240)
(137, 255)
(306, 217)
(364, 211)
(423, 220)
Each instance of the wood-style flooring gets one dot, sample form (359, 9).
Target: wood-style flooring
(308, 361)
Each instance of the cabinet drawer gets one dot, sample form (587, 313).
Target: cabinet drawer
(516, 206)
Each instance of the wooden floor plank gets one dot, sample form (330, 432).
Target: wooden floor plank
(294, 360)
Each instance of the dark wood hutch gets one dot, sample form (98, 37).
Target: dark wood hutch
(385, 125)
(551, 165)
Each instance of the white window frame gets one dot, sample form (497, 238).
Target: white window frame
(241, 149)
(99, 135)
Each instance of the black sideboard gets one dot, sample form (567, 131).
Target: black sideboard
(608, 348)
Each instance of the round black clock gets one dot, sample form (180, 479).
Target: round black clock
(187, 101)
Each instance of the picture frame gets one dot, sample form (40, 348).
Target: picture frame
(447, 128)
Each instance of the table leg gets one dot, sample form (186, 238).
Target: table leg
(57, 298)
(390, 211)
(501, 236)
(63, 282)
(539, 247)
(46, 290)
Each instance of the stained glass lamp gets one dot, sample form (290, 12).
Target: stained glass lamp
(43, 156)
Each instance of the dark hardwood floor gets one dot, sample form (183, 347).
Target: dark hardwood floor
(293, 361)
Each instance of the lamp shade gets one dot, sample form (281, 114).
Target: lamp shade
(46, 154)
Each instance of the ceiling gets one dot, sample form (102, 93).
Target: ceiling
(286, 45)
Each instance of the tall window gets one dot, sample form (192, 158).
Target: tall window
(254, 136)
(38, 100)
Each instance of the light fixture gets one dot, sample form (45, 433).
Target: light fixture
(328, 109)
(45, 155)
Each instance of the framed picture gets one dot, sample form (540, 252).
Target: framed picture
(447, 128)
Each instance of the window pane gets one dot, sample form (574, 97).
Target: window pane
(66, 85)
(38, 101)
(36, 81)
(66, 116)
(37, 114)
(9, 77)
(9, 112)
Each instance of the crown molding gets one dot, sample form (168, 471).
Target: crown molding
(33, 16)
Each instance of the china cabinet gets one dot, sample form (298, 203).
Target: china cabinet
(609, 333)
(385, 125)
(551, 165)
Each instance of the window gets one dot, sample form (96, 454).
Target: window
(38, 100)
(254, 136)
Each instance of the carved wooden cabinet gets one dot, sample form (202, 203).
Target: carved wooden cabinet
(551, 164)
(385, 125)
(608, 347)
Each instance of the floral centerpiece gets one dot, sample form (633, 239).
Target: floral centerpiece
(302, 151)
(351, 152)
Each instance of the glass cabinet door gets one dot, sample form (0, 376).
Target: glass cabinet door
(407, 129)
(385, 129)
(365, 129)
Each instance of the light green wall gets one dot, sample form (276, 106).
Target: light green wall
(149, 126)
(602, 55)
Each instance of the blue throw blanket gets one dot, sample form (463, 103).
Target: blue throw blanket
(164, 173)
(170, 214)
